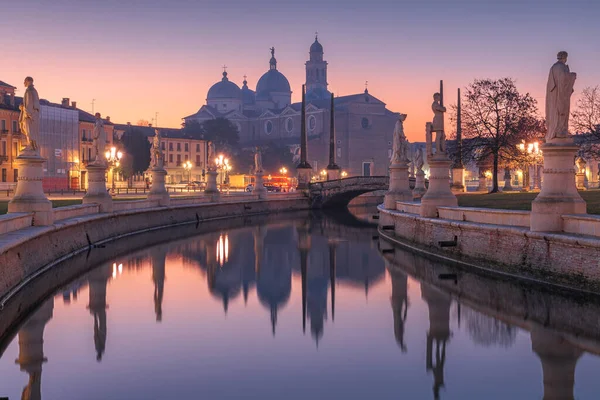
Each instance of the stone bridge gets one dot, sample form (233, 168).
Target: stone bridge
(339, 192)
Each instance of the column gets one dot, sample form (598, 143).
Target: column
(97, 192)
(304, 169)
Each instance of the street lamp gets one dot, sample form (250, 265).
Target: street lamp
(323, 174)
(113, 157)
(283, 170)
(223, 166)
(188, 167)
(344, 174)
(534, 156)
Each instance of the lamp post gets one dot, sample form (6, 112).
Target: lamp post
(113, 157)
(223, 166)
(188, 167)
(533, 157)
(344, 174)
(283, 170)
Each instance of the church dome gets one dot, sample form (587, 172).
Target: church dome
(248, 95)
(224, 90)
(316, 47)
(272, 81)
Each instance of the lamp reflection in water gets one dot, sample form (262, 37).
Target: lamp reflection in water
(222, 249)
(117, 269)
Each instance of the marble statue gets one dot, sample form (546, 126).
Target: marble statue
(157, 154)
(419, 159)
(399, 144)
(438, 113)
(99, 137)
(428, 139)
(258, 166)
(581, 164)
(29, 119)
(558, 98)
(212, 154)
(440, 142)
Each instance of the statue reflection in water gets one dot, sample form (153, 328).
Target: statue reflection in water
(158, 255)
(439, 333)
(31, 349)
(399, 301)
(98, 280)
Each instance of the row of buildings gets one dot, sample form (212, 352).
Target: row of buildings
(66, 142)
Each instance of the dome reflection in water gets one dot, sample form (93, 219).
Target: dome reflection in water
(295, 306)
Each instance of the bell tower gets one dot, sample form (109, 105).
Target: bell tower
(316, 72)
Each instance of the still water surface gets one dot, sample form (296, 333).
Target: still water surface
(296, 308)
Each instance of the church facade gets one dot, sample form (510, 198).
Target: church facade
(363, 124)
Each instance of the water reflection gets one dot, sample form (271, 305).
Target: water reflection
(269, 273)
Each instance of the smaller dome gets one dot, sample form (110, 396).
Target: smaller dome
(248, 95)
(316, 47)
(224, 90)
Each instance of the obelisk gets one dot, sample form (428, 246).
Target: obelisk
(333, 170)
(458, 169)
(304, 169)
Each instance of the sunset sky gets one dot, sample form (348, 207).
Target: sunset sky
(138, 57)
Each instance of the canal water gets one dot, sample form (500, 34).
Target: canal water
(293, 306)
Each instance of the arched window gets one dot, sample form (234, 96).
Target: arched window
(268, 127)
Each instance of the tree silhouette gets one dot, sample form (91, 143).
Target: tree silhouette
(136, 147)
(496, 118)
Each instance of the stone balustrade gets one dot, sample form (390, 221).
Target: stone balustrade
(486, 215)
(582, 224)
(408, 207)
(15, 221)
(75, 211)
(134, 205)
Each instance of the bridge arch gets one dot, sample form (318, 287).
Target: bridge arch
(339, 192)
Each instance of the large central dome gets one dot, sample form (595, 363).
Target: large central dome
(272, 81)
(273, 88)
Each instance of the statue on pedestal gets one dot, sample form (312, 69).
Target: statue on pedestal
(400, 144)
(581, 164)
(438, 123)
(29, 119)
(157, 154)
(258, 167)
(418, 161)
(211, 156)
(558, 98)
(428, 139)
(99, 137)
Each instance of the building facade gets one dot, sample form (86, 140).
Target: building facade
(364, 126)
(178, 148)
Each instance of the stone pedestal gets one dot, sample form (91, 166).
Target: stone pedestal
(439, 193)
(259, 186)
(96, 192)
(158, 191)
(507, 185)
(304, 175)
(482, 186)
(559, 194)
(580, 181)
(458, 180)
(211, 184)
(333, 173)
(29, 195)
(419, 189)
(399, 189)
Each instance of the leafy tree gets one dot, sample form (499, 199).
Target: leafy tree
(223, 133)
(136, 149)
(496, 118)
(274, 157)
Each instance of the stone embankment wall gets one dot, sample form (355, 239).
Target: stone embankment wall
(500, 241)
(26, 249)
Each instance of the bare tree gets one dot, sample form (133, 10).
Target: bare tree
(495, 119)
(585, 121)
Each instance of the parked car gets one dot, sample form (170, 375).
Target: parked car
(249, 188)
(272, 188)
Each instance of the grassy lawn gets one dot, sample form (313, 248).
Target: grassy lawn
(521, 201)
